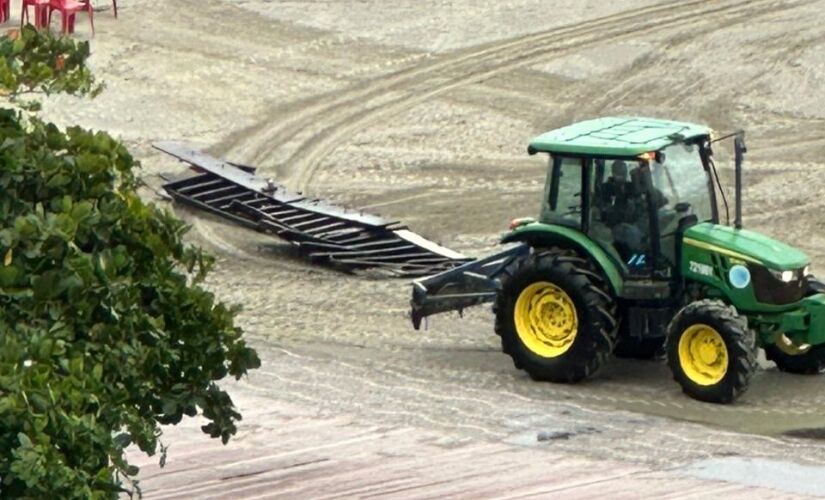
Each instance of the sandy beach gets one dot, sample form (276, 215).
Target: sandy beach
(421, 111)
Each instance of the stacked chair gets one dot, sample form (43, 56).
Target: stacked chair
(43, 10)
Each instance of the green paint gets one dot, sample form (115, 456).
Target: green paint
(804, 324)
(744, 299)
(622, 136)
(538, 234)
(709, 251)
(815, 306)
(768, 251)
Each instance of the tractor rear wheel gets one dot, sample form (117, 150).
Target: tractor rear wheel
(711, 351)
(556, 316)
(810, 361)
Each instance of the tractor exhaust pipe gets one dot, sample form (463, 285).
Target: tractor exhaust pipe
(739, 155)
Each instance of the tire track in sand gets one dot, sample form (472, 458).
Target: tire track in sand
(277, 129)
(328, 121)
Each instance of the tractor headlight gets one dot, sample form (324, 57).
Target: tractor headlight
(791, 276)
(771, 286)
(785, 276)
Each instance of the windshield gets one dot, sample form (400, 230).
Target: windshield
(682, 179)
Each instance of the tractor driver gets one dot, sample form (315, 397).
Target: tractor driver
(620, 198)
(621, 205)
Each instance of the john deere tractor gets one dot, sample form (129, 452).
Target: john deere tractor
(629, 256)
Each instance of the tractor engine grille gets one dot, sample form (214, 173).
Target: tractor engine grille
(771, 290)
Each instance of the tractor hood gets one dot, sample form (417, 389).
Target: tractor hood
(746, 245)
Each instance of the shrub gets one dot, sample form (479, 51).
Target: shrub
(105, 331)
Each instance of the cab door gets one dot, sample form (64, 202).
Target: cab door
(565, 190)
(620, 215)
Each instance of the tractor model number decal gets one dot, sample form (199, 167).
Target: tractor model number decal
(699, 268)
(638, 260)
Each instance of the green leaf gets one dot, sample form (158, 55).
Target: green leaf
(24, 440)
(104, 324)
(58, 180)
(81, 210)
(39, 402)
(18, 46)
(45, 286)
(9, 276)
(123, 440)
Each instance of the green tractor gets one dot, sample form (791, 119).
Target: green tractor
(629, 257)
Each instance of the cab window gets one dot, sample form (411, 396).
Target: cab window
(563, 193)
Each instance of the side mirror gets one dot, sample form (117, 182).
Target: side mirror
(683, 208)
(739, 143)
(660, 157)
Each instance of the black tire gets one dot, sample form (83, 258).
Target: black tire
(739, 343)
(595, 310)
(639, 348)
(815, 286)
(810, 362)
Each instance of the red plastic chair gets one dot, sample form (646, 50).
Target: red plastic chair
(68, 9)
(114, 6)
(41, 12)
(5, 10)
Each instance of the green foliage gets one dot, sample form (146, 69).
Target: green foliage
(33, 61)
(105, 330)
(103, 326)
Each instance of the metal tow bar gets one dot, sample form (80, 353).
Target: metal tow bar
(464, 286)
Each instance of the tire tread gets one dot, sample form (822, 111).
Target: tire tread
(740, 342)
(593, 288)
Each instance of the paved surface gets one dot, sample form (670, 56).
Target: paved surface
(292, 452)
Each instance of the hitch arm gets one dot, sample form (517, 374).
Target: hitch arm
(465, 286)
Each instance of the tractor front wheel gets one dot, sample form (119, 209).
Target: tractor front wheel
(711, 351)
(809, 361)
(556, 316)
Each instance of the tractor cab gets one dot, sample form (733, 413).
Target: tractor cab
(630, 185)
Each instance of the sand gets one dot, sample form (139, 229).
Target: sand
(421, 111)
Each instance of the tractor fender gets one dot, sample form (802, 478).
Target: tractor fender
(537, 234)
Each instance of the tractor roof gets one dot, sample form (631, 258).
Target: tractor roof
(613, 136)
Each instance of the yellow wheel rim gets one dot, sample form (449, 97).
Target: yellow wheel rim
(703, 354)
(786, 345)
(546, 320)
